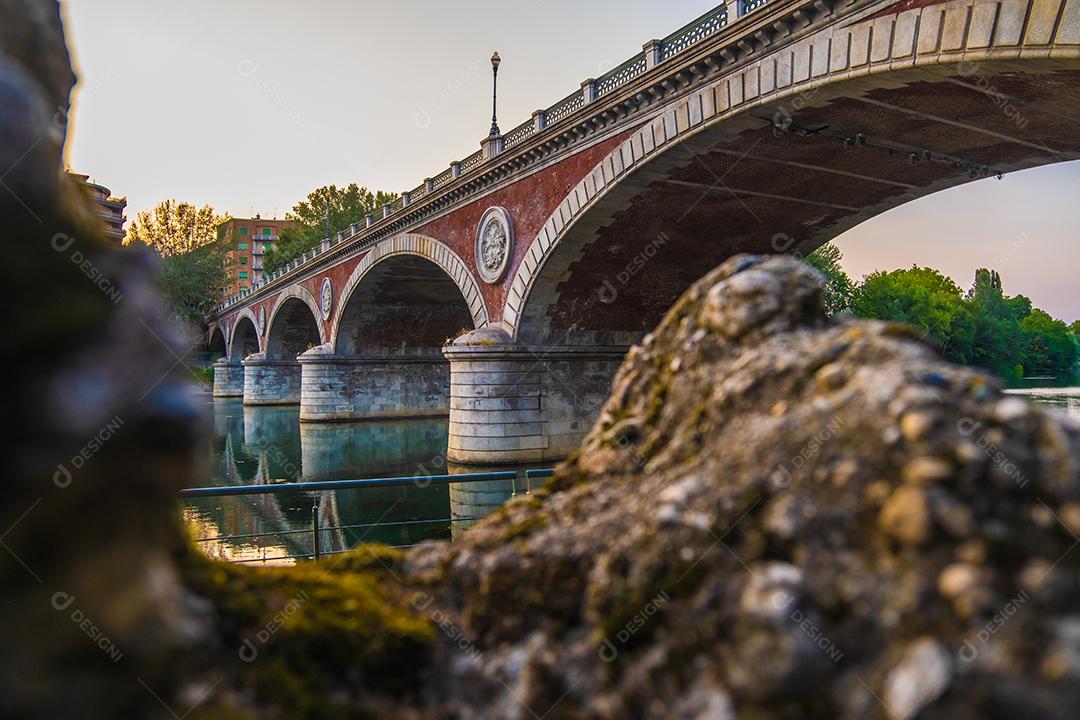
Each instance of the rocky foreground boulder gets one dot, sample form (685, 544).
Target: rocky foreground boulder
(779, 515)
(776, 516)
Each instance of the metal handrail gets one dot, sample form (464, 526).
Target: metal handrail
(365, 483)
(356, 526)
(317, 488)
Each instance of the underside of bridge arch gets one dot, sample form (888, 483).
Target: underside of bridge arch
(274, 376)
(788, 177)
(245, 340)
(405, 304)
(216, 345)
(228, 375)
(293, 330)
(387, 350)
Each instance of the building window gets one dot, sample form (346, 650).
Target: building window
(243, 232)
(266, 231)
(243, 275)
(268, 246)
(243, 246)
(243, 259)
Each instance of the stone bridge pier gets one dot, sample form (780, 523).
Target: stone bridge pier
(228, 379)
(514, 403)
(238, 344)
(374, 385)
(272, 377)
(399, 306)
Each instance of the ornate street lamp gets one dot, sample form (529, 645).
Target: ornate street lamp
(495, 60)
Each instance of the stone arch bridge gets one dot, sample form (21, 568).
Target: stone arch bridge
(504, 290)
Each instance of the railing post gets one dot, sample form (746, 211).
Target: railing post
(406, 198)
(588, 90)
(369, 220)
(429, 185)
(386, 210)
(539, 120)
(652, 53)
(491, 146)
(735, 9)
(315, 502)
(455, 169)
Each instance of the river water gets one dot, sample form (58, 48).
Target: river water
(266, 445)
(1066, 399)
(262, 445)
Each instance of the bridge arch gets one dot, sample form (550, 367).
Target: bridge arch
(784, 153)
(295, 323)
(216, 342)
(440, 282)
(244, 337)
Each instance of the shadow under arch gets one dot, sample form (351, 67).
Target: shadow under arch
(295, 324)
(244, 337)
(216, 342)
(407, 271)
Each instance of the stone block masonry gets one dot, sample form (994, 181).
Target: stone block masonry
(228, 379)
(271, 382)
(339, 389)
(510, 403)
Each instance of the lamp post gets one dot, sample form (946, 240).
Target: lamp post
(495, 60)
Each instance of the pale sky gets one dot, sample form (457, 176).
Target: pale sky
(248, 105)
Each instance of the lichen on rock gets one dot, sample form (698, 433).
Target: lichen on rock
(810, 508)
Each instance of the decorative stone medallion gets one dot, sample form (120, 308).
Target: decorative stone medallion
(326, 298)
(494, 244)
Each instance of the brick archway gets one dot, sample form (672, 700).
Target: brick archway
(297, 292)
(245, 314)
(927, 44)
(420, 246)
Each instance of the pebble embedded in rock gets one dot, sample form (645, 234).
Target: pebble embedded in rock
(906, 516)
(1011, 408)
(1070, 516)
(926, 470)
(916, 425)
(832, 376)
(957, 579)
(742, 302)
(921, 676)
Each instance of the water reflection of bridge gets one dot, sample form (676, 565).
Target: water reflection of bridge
(265, 445)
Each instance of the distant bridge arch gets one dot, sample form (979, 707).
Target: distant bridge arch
(245, 337)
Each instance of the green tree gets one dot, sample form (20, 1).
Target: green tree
(191, 283)
(174, 228)
(839, 288)
(922, 297)
(998, 343)
(345, 206)
(1049, 344)
(1075, 327)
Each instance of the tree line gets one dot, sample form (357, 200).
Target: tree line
(192, 248)
(982, 326)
